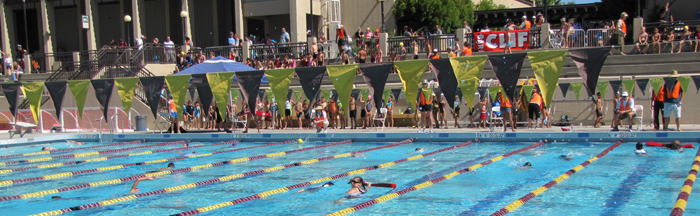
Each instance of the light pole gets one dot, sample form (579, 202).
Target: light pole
(127, 20)
(184, 15)
(311, 3)
(382, 3)
(26, 32)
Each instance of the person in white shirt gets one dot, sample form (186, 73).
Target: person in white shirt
(169, 50)
(139, 42)
(321, 119)
(625, 110)
(640, 149)
(288, 113)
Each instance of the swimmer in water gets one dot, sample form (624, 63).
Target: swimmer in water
(48, 148)
(640, 149)
(566, 157)
(170, 166)
(134, 188)
(421, 149)
(314, 189)
(61, 198)
(190, 154)
(77, 143)
(675, 145)
(527, 164)
(358, 187)
(357, 155)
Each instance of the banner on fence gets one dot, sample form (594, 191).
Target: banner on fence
(496, 40)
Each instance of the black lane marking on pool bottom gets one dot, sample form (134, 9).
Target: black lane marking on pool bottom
(495, 198)
(621, 196)
(443, 172)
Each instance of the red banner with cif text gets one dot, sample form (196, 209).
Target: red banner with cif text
(496, 40)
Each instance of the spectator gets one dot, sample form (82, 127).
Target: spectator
(232, 40)
(406, 33)
(467, 50)
(322, 38)
(358, 37)
(656, 41)
(112, 44)
(666, 15)
(564, 32)
(380, 54)
(139, 42)
(525, 24)
(284, 38)
(402, 53)
(686, 37)
(8, 63)
(486, 28)
(673, 99)
(509, 44)
(169, 50)
(540, 19)
(657, 104)
(642, 40)
(369, 33)
(340, 36)
(434, 55)
(670, 38)
(625, 110)
(122, 43)
(621, 32)
(450, 53)
(467, 28)
(415, 48)
(20, 55)
(392, 55)
(189, 42)
(308, 33)
(697, 38)
(156, 41)
(438, 31)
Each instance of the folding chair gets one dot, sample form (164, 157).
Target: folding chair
(640, 117)
(236, 121)
(162, 121)
(493, 115)
(382, 119)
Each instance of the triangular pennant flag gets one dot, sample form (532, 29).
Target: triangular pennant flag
(310, 79)
(152, 87)
(201, 83)
(696, 80)
(261, 94)
(234, 94)
(365, 94)
(507, 69)
(178, 90)
(326, 94)
(527, 89)
(642, 83)
(564, 87)
(33, 92)
(518, 91)
(670, 82)
(656, 84)
(590, 63)
(468, 71)
(57, 90)
(297, 95)
(343, 77)
(615, 85)
(629, 86)
(446, 78)
(79, 89)
(547, 66)
(396, 93)
(684, 80)
(411, 74)
(289, 94)
(427, 92)
(576, 87)
(334, 94)
(280, 80)
(482, 92)
(493, 90)
(356, 94)
(270, 96)
(249, 82)
(375, 75)
(192, 91)
(11, 92)
(103, 92)
(220, 84)
(602, 88)
(126, 88)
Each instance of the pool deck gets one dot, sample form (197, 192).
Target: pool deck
(691, 133)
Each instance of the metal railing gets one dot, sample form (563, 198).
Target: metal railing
(270, 51)
(598, 37)
(535, 34)
(50, 62)
(224, 51)
(439, 42)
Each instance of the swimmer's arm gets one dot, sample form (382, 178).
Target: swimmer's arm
(134, 188)
(369, 185)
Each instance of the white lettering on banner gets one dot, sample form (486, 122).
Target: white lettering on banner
(522, 37)
(489, 41)
(502, 40)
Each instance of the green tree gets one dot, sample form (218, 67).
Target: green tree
(449, 14)
(540, 3)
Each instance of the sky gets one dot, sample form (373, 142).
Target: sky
(585, 1)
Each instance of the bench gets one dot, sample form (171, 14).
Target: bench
(21, 128)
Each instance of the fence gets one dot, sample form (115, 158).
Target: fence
(439, 42)
(270, 51)
(225, 51)
(598, 37)
(535, 33)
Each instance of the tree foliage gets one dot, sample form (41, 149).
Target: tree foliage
(489, 5)
(541, 3)
(449, 14)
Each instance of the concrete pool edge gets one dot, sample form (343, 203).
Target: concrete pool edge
(372, 137)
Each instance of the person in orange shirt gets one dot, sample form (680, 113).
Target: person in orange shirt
(657, 104)
(435, 54)
(621, 32)
(534, 108)
(175, 125)
(467, 50)
(452, 54)
(506, 112)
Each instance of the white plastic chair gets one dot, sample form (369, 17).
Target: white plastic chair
(236, 121)
(493, 115)
(640, 117)
(382, 119)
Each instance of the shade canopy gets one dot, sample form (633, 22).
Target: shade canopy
(219, 64)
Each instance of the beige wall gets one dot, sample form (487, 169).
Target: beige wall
(366, 13)
(508, 3)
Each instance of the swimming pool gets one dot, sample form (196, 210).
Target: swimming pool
(260, 178)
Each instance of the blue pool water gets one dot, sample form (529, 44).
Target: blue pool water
(620, 183)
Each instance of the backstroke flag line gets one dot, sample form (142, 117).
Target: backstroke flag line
(343, 77)
(220, 83)
(57, 90)
(79, 89)
(547, 66)
(126, 88)
(178, 90)
(103, 93)
(249, 82)
(411, 74)
(468, 71)
(590, 63)
(33, 92)
(375, 75)
(507, 69)
(446, 78)
(11, 92)
(279, 83)
(310, 79)
(152, 87)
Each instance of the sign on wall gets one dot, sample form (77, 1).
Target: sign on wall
(496, 40)
(86, 22)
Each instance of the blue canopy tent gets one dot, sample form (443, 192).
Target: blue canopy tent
(219, 64)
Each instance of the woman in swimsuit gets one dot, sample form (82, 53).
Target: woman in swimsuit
(359, 187)
(390, 113)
